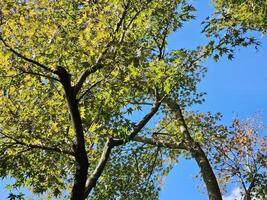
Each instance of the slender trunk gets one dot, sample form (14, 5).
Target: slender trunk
(207, 173)
(81, 158)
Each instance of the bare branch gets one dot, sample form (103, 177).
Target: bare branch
(141, 123)
(140, 103)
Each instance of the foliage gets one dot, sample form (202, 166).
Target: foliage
(133, 173)
(119, 42)
(249, 14)
(232, 23)
(241, 157)
(19, 196)
(76, 76)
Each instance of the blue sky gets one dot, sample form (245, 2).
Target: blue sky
(234, 88)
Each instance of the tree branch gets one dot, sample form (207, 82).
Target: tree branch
(159, 143)
(141, 123)
(24, 57)
(197, 152)
(89, 89)
(92, 180)
(38, 74)
(176, 109)
(47, 148)
(146, 118)
(84, 75)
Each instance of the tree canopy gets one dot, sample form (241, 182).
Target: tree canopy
(250, 15)
(81, 84)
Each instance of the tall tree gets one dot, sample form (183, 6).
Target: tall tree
(241, 157)
(76, 76)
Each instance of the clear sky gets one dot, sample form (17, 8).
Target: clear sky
(234, 88)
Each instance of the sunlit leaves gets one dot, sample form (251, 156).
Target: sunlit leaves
(133, 173)
(128, 39)
(241, 156)
(250, 14)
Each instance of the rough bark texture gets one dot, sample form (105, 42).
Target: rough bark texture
(81, 159)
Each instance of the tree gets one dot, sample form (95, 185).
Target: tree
(232, 23)
(249, 15)
(75, 76)
(241, 157)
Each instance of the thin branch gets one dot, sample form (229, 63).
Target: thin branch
(140, 103)
(92, 180)
(89, 89)
(146, 118)
(159, 143)
(85, 74)
(33, 146)
(55, 149)
(141, 123)
(38, 74)
(24, 57)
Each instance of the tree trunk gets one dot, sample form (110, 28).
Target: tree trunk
(81, 158)
(248, 191)
(247, 197)
(207, 173)
(195, 149)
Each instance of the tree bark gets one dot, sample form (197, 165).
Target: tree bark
(207, 173)
(92, 180)
(248, 191)
(81, 158)
(197, 152)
